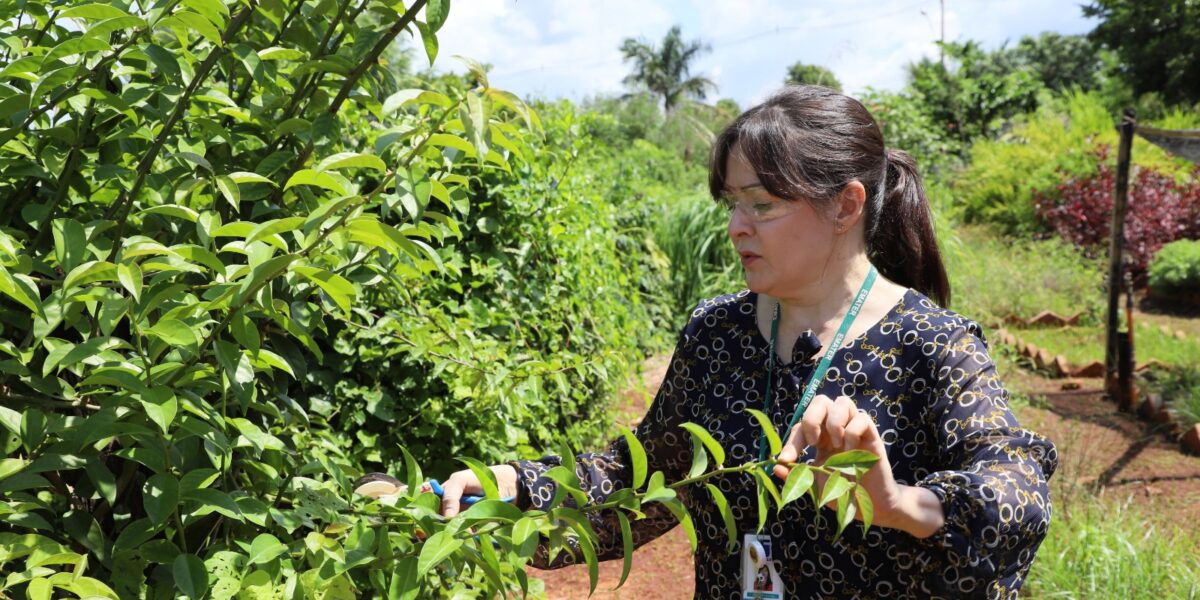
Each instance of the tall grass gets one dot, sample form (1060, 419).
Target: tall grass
(993, 276)
(1106, 549)
(692, 233)
(1102, 547)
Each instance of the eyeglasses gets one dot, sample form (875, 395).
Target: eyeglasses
(758, 205)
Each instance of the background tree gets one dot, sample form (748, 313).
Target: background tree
(665, 70)
(801, 72)
(1060, 61)
(1157, 42)
(974, 90)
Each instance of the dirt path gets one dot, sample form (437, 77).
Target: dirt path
(1099, 448)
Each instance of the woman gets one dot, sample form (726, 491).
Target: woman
(837, 242)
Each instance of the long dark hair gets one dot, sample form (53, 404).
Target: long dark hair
(806, 142)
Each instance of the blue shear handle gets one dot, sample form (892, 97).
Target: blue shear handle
(467, 498)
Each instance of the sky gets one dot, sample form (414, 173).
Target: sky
(569, 48)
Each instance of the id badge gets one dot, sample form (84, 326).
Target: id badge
(759, 577)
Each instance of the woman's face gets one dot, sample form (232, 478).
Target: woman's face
(784, 245)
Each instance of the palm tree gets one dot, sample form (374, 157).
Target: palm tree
(665, 70)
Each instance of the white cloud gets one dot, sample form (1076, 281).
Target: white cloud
(570, 49)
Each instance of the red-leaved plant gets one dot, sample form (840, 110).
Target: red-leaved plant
(1161, 210)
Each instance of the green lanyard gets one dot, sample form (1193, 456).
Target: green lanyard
(810, 391)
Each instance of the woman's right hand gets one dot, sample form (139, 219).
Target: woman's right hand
(466, 483)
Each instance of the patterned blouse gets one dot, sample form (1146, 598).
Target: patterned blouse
(924, 375)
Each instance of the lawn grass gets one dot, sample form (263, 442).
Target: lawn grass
(1083, 344)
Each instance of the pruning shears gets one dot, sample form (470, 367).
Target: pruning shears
(384, 486)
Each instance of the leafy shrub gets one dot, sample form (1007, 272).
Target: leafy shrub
(1176, 267)
(1040, 150)
(211, 211)
(1161, 210)
(554, 299)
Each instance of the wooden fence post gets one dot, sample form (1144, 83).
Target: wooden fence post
(1113, 383)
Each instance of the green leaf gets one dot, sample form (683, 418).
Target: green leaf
(437, 548)
(19, 289)
(278, 53)
(70, 243)
(347, 160)
(699, 458)
(340, 290)
(685, 518)
(436, 12)
(11, 466)
(240, 177)
(39, 589)
(429, 41)
(264, 272)
(314, 178)
(587, 545)
(761, 494)
(769, 429)
(246, 333)
(487, 479)
(265, 548)
(852, 462)
(767, 482)
(836, 486)
(524, 529)
(229, 189)
(711, 443)
(90, 272)
(398, 100)
(799, 479)
(172, 210)
(474, 120)
(273, 227)
(95, 12)
(160, 497)
(73, 355)
(190, 577)
(845, 513)
(637, 456)
(160, 405)
(626, 548)
(130, 276)
(726, 515)
(175, 333)
(656, 491)
(865, 506)
(491, 510)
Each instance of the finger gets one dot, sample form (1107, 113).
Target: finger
(790, 452)
(858, 430)
(814, 417)
(838, 415)
(452, 492)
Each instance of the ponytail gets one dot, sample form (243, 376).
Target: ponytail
(807, 142)
(901, 239)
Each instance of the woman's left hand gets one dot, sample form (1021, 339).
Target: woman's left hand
(836, 426)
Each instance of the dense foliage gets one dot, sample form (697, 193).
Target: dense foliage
(1161, 210)
(240, 264)
(1058, 140)
(1176, 266)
